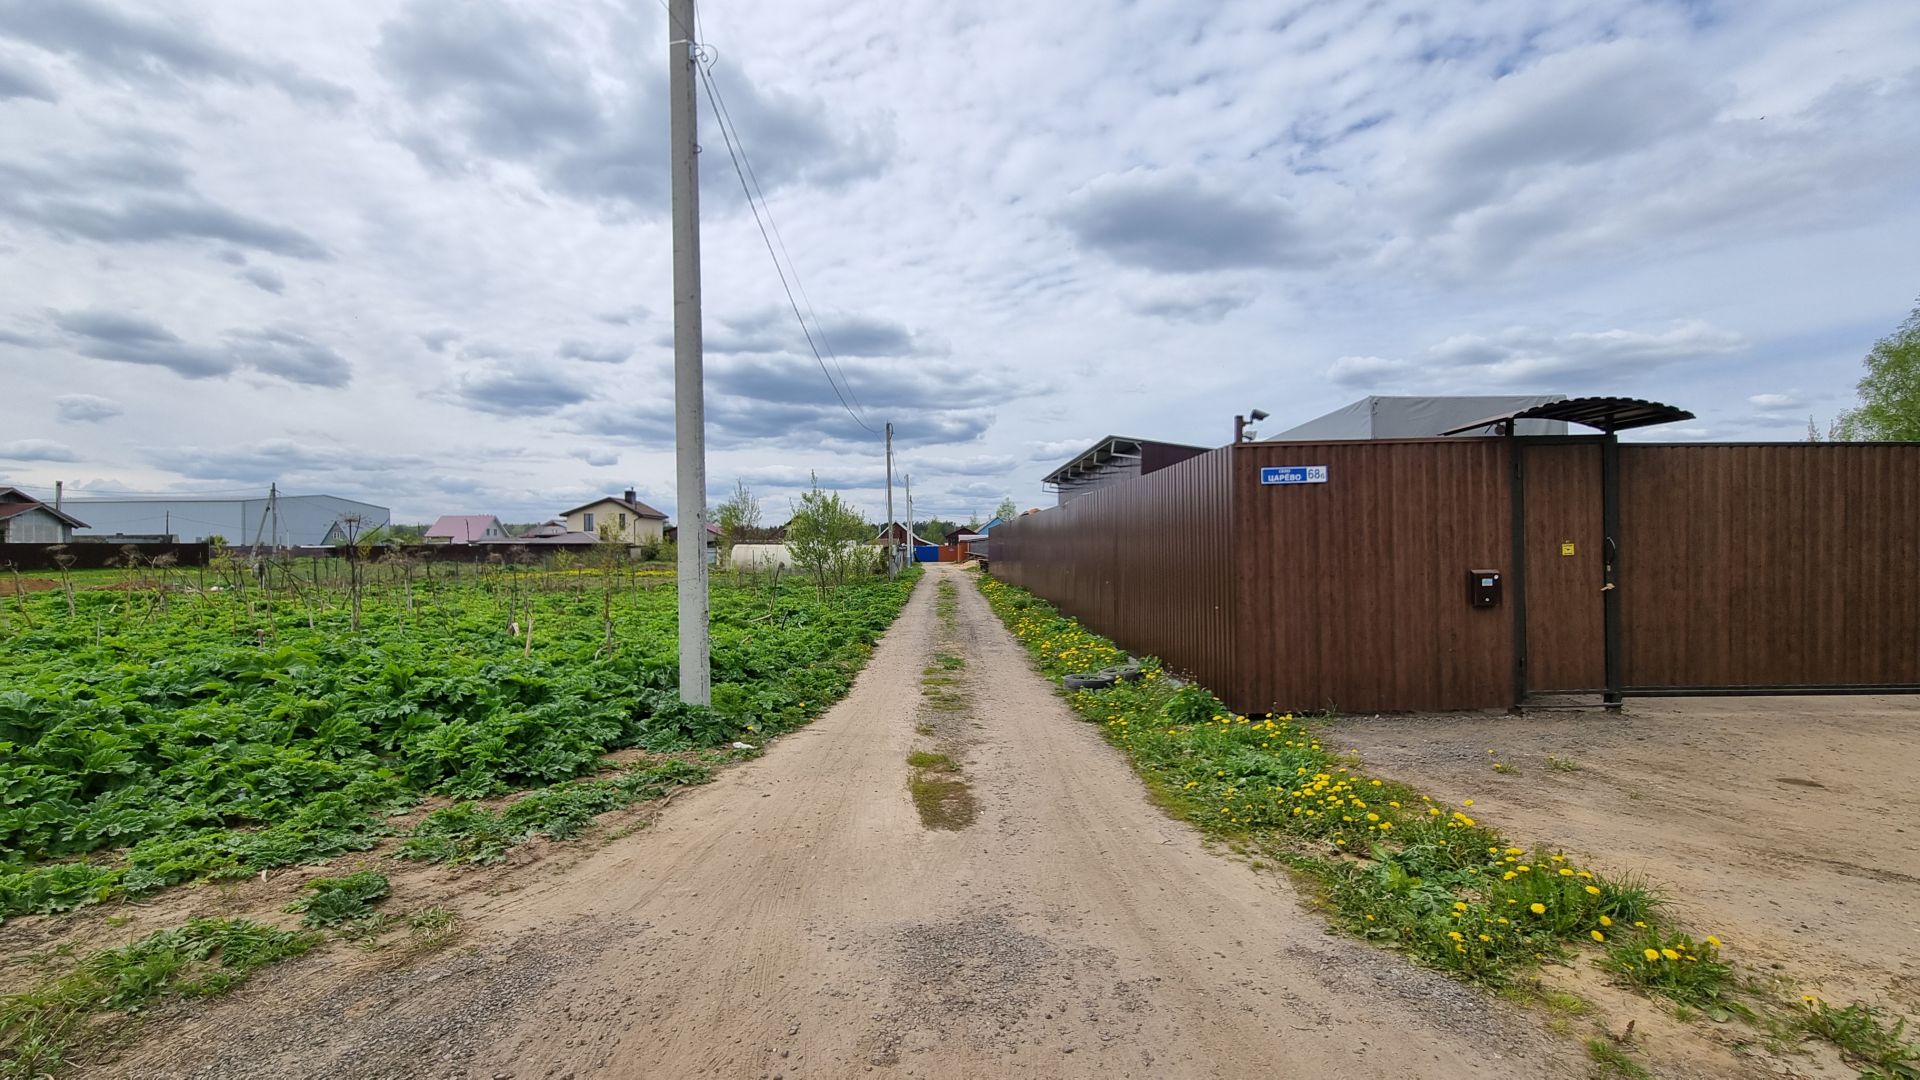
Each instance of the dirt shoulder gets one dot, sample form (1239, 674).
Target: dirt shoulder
(1788, 826)
(796, 918)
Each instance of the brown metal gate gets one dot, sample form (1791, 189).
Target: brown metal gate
(1564, 645)
(1770, 568)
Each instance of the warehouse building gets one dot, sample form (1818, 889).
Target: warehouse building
(285, 520)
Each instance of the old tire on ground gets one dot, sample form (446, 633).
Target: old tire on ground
(1087, 682)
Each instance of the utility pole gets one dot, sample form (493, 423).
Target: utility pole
(893, 543)
(273, 508)
(689, 403)
(913, 551)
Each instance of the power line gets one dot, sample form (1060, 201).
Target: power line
(730, 137)
(726, 118)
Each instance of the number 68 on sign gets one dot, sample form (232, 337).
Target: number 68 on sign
(1293, 474)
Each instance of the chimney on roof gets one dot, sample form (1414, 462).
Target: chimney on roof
(59, 492)
(632, 496)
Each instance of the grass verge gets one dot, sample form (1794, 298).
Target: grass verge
(1396, 867)
(39, 1027)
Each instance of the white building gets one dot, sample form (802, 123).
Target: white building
(290, 520)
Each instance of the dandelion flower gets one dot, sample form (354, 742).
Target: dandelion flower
(1466, 802)
(1713, 941)
(1597, 935)
(1593, 890)
(1605, 921)
(1650, 954)
(1484, 937)
(1455, 935)
(1537, 909)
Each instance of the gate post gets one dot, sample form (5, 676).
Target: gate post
(1610, 589)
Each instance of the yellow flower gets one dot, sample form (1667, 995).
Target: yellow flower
(1537, 909)
(1454, 934)
(1564, 872)
(1593, 890)
(1639, 924)
(1650, 954)
(1484, 937)
(1372, 816)
(1597, 935)
(1605, 921)
(1713, 941)
(1369, 918)
(1515, 851)
(1385, 825)
(1466, 802)
(1669, 954)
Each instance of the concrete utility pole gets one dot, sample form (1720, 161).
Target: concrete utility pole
(893, 543)
(689, 402)
(907, 480)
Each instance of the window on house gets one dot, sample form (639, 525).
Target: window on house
(587, 521)
(623, 522)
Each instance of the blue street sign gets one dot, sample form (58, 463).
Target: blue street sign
(1294, 474)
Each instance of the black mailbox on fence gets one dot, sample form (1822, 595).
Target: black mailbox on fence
(1483, 588)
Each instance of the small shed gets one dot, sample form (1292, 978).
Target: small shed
(26, 520)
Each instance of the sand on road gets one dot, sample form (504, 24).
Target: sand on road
(797, 919)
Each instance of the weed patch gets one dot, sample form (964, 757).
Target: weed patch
(1612, 1063)
(1868, 1041)
(470, 833)
(943, 800)
(931, 762)
(331, 901)
(203, 958)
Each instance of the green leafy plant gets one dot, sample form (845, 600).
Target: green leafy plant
(1879, 1048)
(257, 727)
(202, 958)
(335, 900)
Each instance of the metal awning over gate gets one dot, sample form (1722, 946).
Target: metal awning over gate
(1608, 414)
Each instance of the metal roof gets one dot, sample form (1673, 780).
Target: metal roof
(1608, 414)
(14, 501)
(638, 508)
(1101, 454)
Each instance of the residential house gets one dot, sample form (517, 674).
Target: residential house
(551, 534)
(899, 534)
(629, 518)
(26, 520)
(466, 529)
(713, 540)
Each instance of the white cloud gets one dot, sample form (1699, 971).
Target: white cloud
(36, 450)
(1519, 356)
(434, 232)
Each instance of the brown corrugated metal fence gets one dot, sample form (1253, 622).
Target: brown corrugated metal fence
(1148, 563)
(1353, 592)
(1762, 567)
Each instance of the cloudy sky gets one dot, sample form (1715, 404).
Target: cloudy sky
(417, 252)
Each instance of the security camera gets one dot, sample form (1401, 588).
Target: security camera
(1257, 414)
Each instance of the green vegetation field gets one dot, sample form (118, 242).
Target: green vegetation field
(166, 726)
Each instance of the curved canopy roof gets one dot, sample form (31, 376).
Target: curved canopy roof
(1608, 414)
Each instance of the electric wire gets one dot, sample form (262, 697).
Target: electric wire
(734, 154)
(729, 133)
(726, 119)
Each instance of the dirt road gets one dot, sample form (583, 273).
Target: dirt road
(797, 919)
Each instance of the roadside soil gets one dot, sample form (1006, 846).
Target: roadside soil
(796, 918)
(1787, 826)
